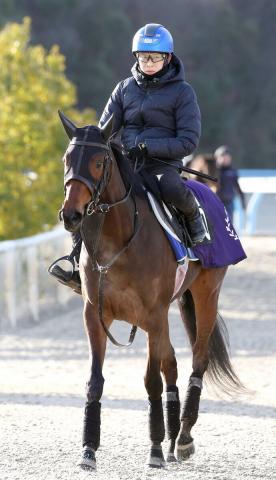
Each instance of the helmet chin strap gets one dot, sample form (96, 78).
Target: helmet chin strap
(166, 60)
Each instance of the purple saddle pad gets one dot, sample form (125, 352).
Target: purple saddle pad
(225, 248)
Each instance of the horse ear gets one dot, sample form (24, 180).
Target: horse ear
(107, 129)
(69, 126)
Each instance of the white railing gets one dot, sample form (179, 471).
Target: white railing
(259, 187)
(26, 289)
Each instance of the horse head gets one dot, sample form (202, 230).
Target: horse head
(87, 163)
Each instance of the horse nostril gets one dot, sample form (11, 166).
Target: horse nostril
(72, 220)
(76, 217)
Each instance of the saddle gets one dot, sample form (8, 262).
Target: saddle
(171, 219)
(174, 217)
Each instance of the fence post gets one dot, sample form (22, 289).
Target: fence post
(27, 288)
(251, 210)
(10, 285)
(33, 284)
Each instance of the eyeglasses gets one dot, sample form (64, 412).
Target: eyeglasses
(154, 57)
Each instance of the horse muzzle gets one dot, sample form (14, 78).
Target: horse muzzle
(71, 220)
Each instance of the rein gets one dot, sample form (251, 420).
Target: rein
(103, 208)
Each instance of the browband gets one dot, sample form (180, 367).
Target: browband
(90, 144)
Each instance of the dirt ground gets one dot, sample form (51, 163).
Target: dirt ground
(43, 374)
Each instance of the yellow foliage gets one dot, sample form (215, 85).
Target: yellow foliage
(33, 86)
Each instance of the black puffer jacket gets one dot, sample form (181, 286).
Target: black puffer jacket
(162, 112)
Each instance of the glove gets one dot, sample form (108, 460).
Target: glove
(137, 152)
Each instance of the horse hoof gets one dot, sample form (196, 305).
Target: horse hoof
(171, 458)
(88, 459)
(156, 457)
(183, 452)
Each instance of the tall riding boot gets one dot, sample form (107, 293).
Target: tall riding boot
(196, 228)
(69, 277)
(195, 223)
(175, 191)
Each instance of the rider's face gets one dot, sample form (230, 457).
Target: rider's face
(151, 63)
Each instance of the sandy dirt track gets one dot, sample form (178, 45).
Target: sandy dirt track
(43, 374)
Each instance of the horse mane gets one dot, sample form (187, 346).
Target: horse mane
(126, 170)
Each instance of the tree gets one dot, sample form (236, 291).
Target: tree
(95, 39)
(33, 87)
(227, 47)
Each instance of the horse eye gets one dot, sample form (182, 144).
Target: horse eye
(99, 164)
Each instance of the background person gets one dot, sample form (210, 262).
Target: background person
(228, 180)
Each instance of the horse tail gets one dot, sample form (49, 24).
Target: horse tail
(220, 372)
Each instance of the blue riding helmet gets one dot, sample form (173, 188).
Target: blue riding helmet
(153, 37)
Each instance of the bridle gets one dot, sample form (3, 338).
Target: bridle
(96, 207)
(96, 188)
(79, 170)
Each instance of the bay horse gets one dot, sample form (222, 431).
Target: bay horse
(127, 272)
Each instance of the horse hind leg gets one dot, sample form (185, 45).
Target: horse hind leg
(153, 382)
(172, 405)
(199, 311)
(185, 444)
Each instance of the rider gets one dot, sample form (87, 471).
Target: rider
(160, 120)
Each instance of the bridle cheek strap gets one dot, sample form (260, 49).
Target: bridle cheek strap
(88, 183)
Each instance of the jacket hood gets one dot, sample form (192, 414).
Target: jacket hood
(175, 73)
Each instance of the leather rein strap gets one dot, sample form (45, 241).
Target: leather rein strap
(95, 207)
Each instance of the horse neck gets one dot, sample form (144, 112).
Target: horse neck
(119, 220)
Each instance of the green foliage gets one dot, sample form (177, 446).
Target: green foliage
(33, 87)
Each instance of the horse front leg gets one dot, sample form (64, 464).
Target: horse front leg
(154, 387)
(94, 388)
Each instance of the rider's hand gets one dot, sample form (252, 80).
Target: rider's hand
(137, 152)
